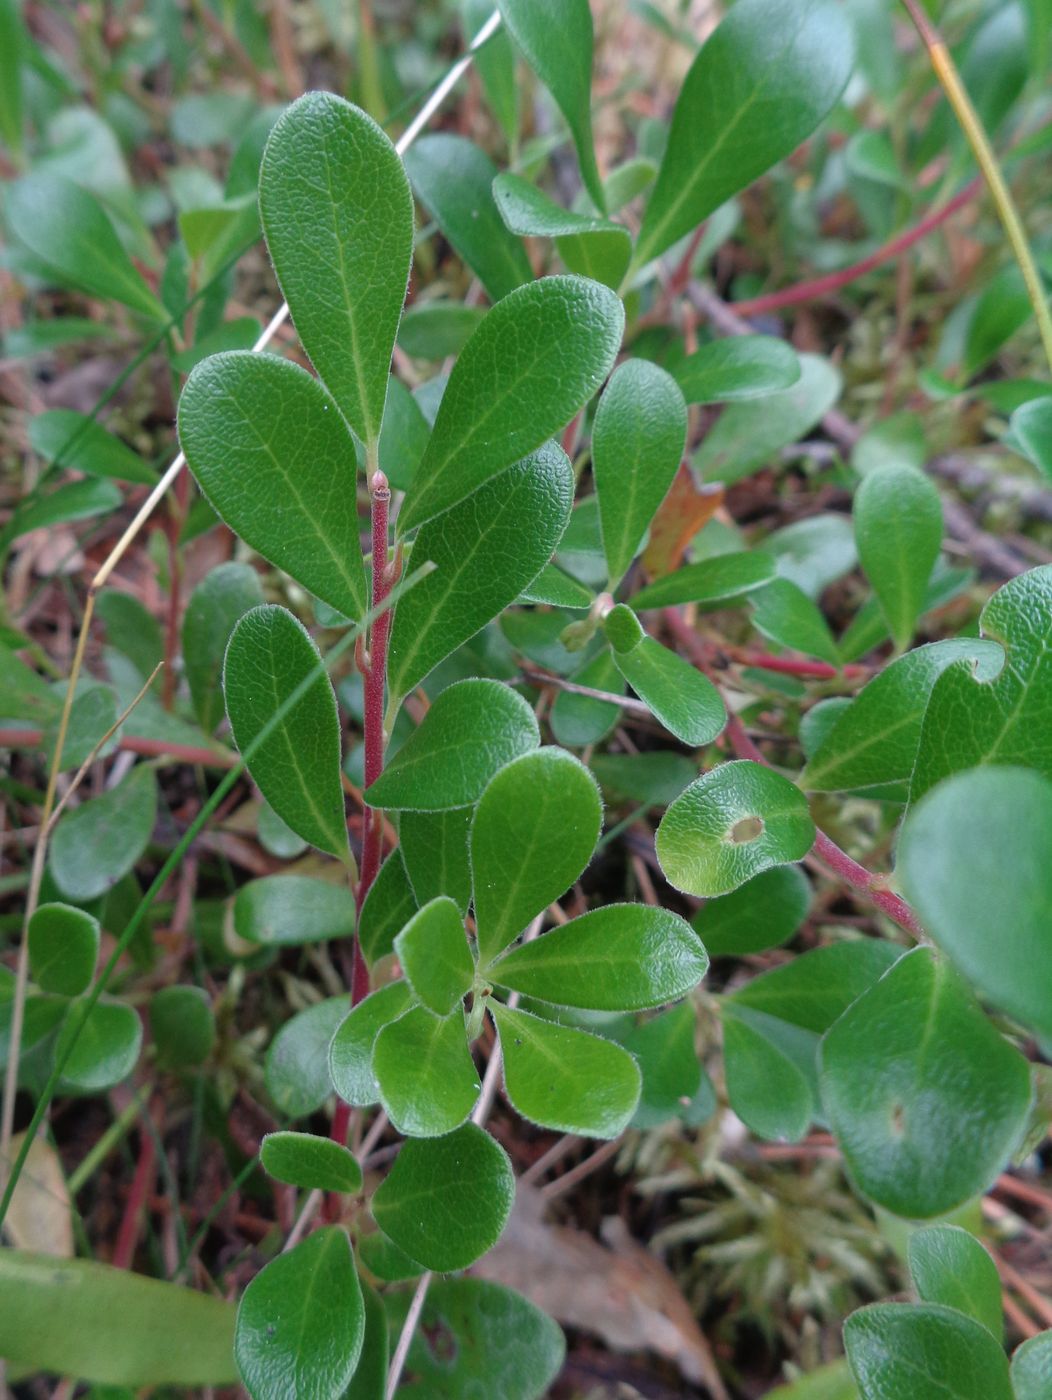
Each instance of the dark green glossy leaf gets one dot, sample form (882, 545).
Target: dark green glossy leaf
(351, 1050)
(949, 1266)
(446, 1200)
(472, 729)
(183, 1026)
(740, 367)
(759, 86)
(558, 589)
(370, 1375)
(674, 1083)
(596, 248)
(565, 1079)
(433, 950)
(495, 64)
(816, 987)
(655, 779)
(898, 529)
(272, 454)
(733, 822)
(926, 1099)
(293, 909)
(767, 1088)
(434, 849)
(638, 437)
(73, 500)
(622, 957)
(763, 913)
(427, 1078)
(338, 217)
(96, 844)
(301, 1322)
(1031, 1369)
(311, 1162)
(496, 542)
(538, 356)
(454, 179)
(63, 948)
(685, 701)
(534, 831)
(219, 600)
(577, 720)
(713, 582)
(901, 1351)
(297, 767)
(435, 329)
(297, 1064)
(403, 437)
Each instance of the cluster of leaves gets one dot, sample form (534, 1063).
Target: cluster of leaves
(512, 557)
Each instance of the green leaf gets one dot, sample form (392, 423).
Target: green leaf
(427, 1078)
(403, 437)
(1031, 431)
(23, 694)
(949, 1266)
(486, 550)
(297, 1064)
(73, 500)
(435, 854)
(734, 821)
(495, 64)
(454, 179)
(274, 457)
(311, 1162)
(222, 597)
(974, 859)
(118, 1328)
(389, 904)
(763, 913)
(1031, 1368)
(92, 715)
(926, 1099)
(108, 1040)
(558, 589)
(297, 767)
(898, 529)
(435, 329)
(67, 228)
(685, 701)
(622, 957)
(740, 367)
(351, 1050)
(385, 1260)
(713, 582)
(565, 1079)
(183, 1026)
(13, 47)
(830, 1382)
(472, 730)
(534, 831)
(784, 613)
(74, 440)
(96, 844)
(638, 437)
(760, 85)
(674, 1084)
(477, 1338)
(282, 910)
(874, 740)
(766, 1086)
(971, 720)
(63, 949)
(132, 629)
(446, 1200)
(556, 39)
(539, 355)
(370, 1375)
(815, 988)
(902, 1351)
(654, 779)
(435, 957)
(597, 248)
(301, 1322)
(577, 720)
(338, 217)
(746, 438)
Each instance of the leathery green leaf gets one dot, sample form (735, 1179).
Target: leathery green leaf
(496, 541)
(292, 909)
(297, 1065)
(73, 439)
(454, 178)
(351, 1050)
(183, 1026)
(974, 860)
(105, 1046)
(311, 1162)
(761, 83)
(557, 40)
(539, 355)
(63, 948)
(118, 1328)
(272, 454)
(949, 1266)
(638, 437)
(622, 957)
(297, 767)
(535, 828)
(219, 600)
(96, 844)
(434, 848)
(784, 613)
(565, 1079)
(370, 1375)
(594, 247)
(685, 701)
(763, 913)
(926, 1098)
(904, 1351)
(898, 530)
(434, 953)
(1031, 1368)
(338, 218)
(472, 729)
(1031, 426)
(740, 367)
(446, 1200)
(766, 1085)
(734, 821)
(427, 1078)
(301, 1322)
(712, 582)
(389, 904)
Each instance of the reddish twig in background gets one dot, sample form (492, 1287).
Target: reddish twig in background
(833, 281)
(132, 743)
(141, 1189)
(795, 666)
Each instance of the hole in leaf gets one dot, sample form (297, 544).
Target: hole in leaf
(441, 1341)
(748, 829)
(898, 1121)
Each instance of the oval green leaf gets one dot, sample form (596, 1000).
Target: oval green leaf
(740, 367)
(435, 957)
(711, 582)
(902, 1351)
(63, 948)
(311, 1162)
(427, 1079)
(351, 1050)
(685, 701)
(96, 844)
(898, 530)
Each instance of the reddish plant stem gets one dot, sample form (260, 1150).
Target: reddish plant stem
(833, 281)
(795, 666)
(133, 743)
(826, 850)
(376, 682)
(141, 1188)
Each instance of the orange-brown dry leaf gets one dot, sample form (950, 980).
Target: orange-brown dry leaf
(685, 510)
